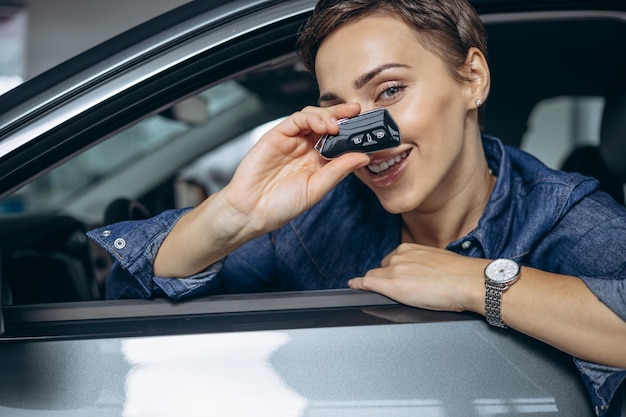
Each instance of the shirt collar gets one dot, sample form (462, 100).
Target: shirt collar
(495, 223)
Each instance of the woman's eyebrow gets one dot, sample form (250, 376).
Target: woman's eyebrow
(362, 80)
(368, 76)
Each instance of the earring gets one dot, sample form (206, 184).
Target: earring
(478, 102)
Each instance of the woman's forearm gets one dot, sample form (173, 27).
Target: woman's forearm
(562, 311)
(202, 237)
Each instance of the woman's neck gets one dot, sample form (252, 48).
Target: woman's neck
(454, 213)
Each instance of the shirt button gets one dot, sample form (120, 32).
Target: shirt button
(119, 243)
(466, 245)
(106, 233)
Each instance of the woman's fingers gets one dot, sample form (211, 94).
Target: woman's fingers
(283, 175)
(334, 171)
(426, 277)
(316, 120)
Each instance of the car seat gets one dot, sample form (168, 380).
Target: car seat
(45, 259)
(607, 161)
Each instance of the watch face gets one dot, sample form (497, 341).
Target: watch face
(502, 271)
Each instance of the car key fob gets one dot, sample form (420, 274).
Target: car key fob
(368, 132)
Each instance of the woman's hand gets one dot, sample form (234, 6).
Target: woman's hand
(283, 175)
(430, 278)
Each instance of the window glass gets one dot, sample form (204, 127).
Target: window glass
(54, 188)
(79, 178)
(214, 170)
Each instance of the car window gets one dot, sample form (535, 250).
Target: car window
(176, 158)
(63, 188)
(179, 155)
(170, 159)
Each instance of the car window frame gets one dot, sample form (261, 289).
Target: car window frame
(212, 314)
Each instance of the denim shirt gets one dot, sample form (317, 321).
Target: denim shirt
(550, 220)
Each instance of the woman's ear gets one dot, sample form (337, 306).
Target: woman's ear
(478, 77)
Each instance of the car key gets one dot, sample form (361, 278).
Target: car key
(367, 132)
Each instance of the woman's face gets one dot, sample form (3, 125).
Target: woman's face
(377, 61)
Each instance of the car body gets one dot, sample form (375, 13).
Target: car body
(158, 117)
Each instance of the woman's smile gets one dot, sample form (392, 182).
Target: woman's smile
(378, 167)
(385, 170)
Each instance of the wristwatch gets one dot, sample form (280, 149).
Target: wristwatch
(499, 276)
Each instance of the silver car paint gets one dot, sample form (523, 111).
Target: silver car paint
(456, 368)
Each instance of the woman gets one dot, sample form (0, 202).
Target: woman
(423, 221)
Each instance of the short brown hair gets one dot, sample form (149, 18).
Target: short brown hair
(447, 28)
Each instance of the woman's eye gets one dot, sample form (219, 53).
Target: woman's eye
(391, 91)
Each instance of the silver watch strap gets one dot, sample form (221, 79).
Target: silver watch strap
(493, 303)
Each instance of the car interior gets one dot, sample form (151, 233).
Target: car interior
(180, 155)
(605, 161)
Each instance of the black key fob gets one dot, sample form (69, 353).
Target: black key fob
(368, 132)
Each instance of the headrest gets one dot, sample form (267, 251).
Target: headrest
(613, 128)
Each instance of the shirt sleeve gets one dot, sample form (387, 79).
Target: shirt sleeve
(134, 245)
(602, 383)
(588, 241)
(598, 258)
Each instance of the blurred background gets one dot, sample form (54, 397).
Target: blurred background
(35, 35)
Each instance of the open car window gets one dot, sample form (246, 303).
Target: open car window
(170, 159)
(179, 151)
